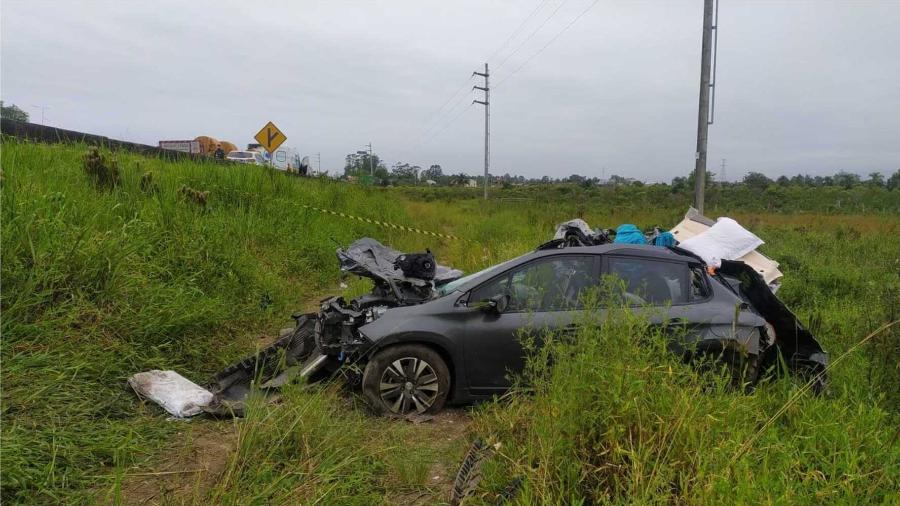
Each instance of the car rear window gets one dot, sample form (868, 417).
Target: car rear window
(651, 282)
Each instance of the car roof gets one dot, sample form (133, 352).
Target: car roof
(638, 250)
(634, 250)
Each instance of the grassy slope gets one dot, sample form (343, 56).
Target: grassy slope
(100, 284)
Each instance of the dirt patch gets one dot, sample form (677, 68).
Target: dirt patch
(447, 434)
(185, 473)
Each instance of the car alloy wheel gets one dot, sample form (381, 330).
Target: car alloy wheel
(408, 385)
(406, 379)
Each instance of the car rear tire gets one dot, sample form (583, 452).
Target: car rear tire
(405, 380)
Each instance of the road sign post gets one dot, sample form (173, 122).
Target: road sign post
(270, 138)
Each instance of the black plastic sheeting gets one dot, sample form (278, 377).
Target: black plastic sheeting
(797, 345)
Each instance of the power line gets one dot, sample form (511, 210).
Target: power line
(463, 100)
(438, 132)
(437, 113)
(434, 127)
(517, 30)
(442, 123)
(440, 113)
(551, 41)
(536, 30)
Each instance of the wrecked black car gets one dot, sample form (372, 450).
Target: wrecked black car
(425, 336)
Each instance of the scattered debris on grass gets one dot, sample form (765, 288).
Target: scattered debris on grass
(176, 394)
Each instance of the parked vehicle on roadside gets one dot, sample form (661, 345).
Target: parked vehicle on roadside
(419, 341)
(251, 157)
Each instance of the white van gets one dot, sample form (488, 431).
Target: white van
(251, 157)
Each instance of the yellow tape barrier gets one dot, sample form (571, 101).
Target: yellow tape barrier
(382, 223)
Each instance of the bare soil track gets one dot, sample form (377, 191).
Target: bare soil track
(186, 472)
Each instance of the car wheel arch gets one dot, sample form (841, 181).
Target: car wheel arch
(445, 355)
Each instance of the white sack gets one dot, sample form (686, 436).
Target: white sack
(726, 240)
(175, 393)
(577, 223)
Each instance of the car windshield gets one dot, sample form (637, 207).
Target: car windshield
(453, 285)
(240, 154)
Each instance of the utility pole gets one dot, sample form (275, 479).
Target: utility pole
(724, 177)
(703, 116)
(487, 124)
(371, 161)
(319, 162)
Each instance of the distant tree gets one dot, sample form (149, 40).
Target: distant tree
(800, 180)
(783, 181)
(362, 165)
(617, 180)
(846, 179)
(875, 179)
(757, 180)
(460, 179)
(679, 184)
(12, 112)
(893, 182)
(689, 181)
(405, 171)
(434, 173)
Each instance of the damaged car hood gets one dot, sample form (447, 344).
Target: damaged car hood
(369, 258)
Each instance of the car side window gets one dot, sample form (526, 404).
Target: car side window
(548, 284)
(699, 286)
(649, 281)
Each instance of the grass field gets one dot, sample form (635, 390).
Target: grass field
(99, 283)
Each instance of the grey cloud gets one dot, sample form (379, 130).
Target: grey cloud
(803, 86)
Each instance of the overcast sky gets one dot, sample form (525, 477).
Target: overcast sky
(803, 86)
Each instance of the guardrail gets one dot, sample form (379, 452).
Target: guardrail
(53, 135)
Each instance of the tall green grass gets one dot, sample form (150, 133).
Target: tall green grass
(612, 417)
(100, 283)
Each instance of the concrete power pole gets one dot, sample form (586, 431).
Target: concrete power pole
(703, 116)
(724, 177)
(371, 161)
(487, 124)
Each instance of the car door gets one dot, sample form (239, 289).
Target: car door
(544, 294)
(670, 293)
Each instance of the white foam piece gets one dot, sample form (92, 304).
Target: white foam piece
(726, 240)
(176, 394)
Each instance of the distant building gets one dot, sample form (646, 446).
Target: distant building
(186, 146)
(472, 183)
(430, 182)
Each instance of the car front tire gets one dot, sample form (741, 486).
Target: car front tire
(406, 380)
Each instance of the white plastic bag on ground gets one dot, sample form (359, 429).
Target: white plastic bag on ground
(175, 393)
(726, 240)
